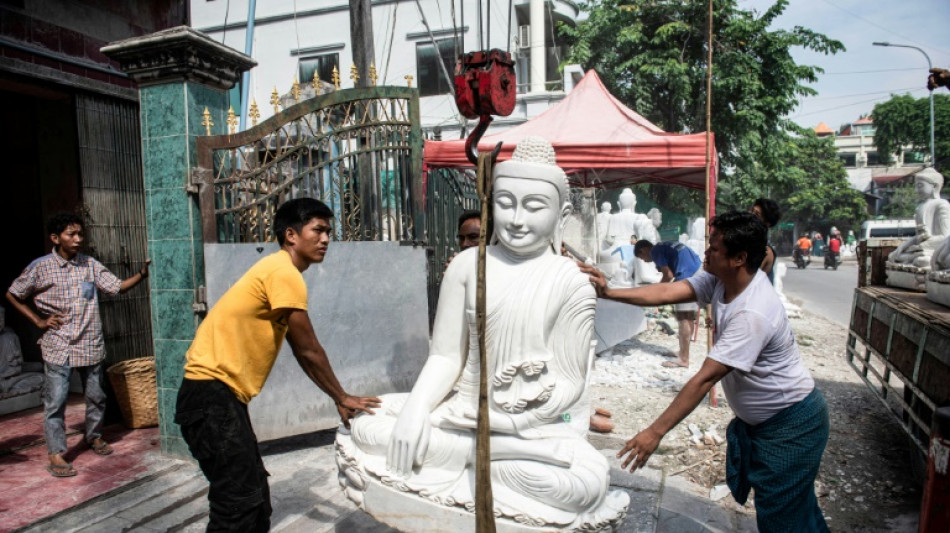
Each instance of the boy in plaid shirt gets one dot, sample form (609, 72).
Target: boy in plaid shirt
(63, 287)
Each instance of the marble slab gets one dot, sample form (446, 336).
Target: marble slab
(368, 305)
(616, 322)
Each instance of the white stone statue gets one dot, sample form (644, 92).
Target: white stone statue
(416, 454)
(908, 265)
(652, 233)
(938, 280)
(617, 262)
(13, 381)
(603, 220)
(697, 236)
(627, 221)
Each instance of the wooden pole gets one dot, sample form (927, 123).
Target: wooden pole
(484, 501)
(710, 209)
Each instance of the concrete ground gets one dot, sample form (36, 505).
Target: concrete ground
(307, 498)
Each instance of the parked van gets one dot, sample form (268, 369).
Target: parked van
(888, 229)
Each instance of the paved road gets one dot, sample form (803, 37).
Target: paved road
(828, 293)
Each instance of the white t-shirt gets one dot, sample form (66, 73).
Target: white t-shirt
(753, 337)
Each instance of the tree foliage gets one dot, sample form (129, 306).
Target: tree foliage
(652, 56)
(904, 121)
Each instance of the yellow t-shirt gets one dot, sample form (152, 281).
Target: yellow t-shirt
(238, 341)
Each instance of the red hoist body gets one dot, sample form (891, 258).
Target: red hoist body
(484, 86)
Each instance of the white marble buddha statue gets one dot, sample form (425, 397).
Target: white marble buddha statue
(938, 279)
(420, 446)
(908, 265)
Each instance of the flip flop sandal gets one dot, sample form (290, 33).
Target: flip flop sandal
(65, 470)
(672, 364)
(102, 448)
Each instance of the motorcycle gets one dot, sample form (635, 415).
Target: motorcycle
(802, 257)
(832, 259)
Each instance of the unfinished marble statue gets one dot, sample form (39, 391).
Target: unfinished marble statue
(791, 310)
(907, 266)
(603, 221)
(938, 279)
(617, 262)
(697, 236)
(13, 381)
(411, 464)
(652, 232)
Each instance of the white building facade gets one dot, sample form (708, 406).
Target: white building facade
(293, 39)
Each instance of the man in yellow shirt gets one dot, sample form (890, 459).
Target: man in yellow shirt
(233, 352)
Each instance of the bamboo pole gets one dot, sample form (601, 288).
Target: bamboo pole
(710, 209)
(484, 501)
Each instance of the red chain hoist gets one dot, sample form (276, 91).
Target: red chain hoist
(484, 86)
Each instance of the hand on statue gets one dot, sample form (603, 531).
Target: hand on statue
(597, 278)
(640, 448)
(351, 404)
(409, 441)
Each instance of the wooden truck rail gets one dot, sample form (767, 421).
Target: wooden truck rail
(899, 344)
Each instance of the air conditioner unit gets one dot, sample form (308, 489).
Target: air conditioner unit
(524, 36)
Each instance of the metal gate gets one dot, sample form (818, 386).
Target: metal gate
(449, 193)
(357, 150)
(113, 194)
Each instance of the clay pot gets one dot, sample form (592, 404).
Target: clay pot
(600, 421)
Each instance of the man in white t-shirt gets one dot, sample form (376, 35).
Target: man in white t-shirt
(780, 431)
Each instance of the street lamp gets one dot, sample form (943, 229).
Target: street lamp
(933, 160)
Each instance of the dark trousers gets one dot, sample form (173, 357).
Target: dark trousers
(216, 426)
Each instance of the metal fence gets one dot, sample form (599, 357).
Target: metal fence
(357, 150)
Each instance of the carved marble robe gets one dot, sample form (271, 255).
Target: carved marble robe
(933, 216)
(539, 363)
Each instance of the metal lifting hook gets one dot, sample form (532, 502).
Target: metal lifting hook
(471, 143)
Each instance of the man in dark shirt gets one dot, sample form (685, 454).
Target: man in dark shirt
(676, 262)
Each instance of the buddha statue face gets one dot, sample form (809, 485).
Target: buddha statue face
(605, 207)
(927, 183)
(527, 214)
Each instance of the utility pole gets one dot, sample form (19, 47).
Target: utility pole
(361, 35)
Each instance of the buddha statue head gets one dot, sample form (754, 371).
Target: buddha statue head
(627, 200)
(656, 217)
(927, 183)
(605, 208)
(531, 203)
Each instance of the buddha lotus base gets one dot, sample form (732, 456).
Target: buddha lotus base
(386, 500)
(939, 291)
(907, 277)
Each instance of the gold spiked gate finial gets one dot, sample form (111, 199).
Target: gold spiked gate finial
(295, 90)
(316, 82)
(254, 112)
(372, 74)
(408, 78)
(206, 121)
(232, 120)
(354, 74)
(336, 77)
(275, 100)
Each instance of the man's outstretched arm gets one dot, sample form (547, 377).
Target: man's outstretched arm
(654, 294)
(642, 446)
(313, 359)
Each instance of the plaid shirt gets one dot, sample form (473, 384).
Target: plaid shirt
(68, 288)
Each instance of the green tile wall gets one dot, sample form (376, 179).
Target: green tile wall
(171, 117)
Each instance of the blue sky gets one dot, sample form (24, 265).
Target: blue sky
(863, 75)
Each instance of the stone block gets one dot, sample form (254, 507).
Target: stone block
(369, 309)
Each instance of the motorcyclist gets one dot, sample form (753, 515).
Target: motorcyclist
(803, 251)
(834, 251)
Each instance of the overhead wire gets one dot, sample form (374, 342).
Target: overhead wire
(389, 48)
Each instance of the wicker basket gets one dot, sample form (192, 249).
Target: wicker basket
(135, 390)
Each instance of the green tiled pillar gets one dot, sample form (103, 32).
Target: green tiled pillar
(180, 73)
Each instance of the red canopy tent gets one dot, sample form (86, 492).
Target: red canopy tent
(599, 142)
